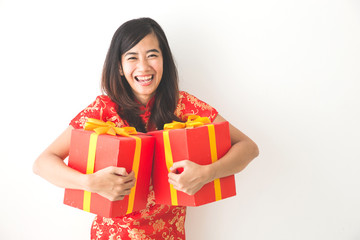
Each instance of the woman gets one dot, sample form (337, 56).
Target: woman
(141, 85)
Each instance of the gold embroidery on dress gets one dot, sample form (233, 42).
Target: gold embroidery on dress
(108, 221)
(95, 106)
(158, 225)
(138, 234)
(179, 219)
(168, 237)
(198, 104)
(180, 224)
(99, 105)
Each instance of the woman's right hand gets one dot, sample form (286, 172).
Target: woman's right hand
(113, 183)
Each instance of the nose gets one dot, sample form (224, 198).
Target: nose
(143, 64)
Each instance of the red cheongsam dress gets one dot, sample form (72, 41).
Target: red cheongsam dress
(156, 221)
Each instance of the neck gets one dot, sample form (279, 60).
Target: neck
(144, 100)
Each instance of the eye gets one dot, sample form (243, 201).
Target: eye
(131, 58)
(152, 55)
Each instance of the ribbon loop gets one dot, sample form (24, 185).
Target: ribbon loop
(193, 121)
(101, 127)
(174, 125)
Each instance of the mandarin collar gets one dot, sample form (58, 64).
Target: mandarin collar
(148, 106)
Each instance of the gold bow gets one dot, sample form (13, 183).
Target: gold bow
(101, 127)
(193, 121)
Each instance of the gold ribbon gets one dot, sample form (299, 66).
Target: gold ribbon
(193, 121)
(214, 158)
(100, 127)
(135, 168)
(169, 162)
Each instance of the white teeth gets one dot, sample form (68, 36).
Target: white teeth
(147, 78)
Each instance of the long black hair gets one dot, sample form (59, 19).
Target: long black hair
(118, 89)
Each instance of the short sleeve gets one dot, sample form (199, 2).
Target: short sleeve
(191, 105)
(102, 108)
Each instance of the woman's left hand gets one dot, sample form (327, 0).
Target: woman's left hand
(192, 177)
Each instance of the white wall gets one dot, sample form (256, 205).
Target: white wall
(285, 72)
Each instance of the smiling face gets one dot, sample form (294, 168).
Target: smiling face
(142, 67)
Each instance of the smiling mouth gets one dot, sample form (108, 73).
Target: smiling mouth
(144, 79)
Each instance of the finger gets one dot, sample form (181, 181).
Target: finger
(173, 176)
(119, 171)
(131, 174)
(175, 184)
(172, 169)
(121, 190)
(130, 184)
(128, 178)
(125, 182)
(177, 165)
(125, 192)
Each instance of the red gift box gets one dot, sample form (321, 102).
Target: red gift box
(134, 153)
(202, 145)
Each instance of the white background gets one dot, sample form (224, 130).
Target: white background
(284, 72)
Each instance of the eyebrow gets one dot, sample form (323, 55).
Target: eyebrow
(148, 51)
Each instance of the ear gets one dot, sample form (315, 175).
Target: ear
(120, 70)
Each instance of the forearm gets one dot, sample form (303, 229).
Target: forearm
(53, 169)
(50, 164)
(234, 161)
(112, 183)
